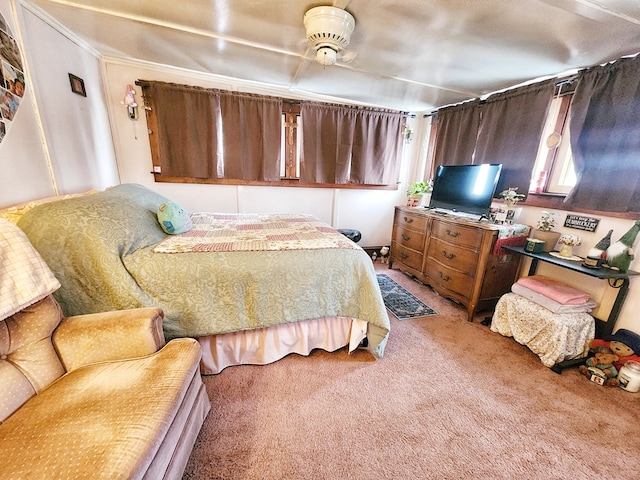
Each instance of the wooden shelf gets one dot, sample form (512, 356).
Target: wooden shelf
(615, 278)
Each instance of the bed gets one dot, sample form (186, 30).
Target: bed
(245, 300)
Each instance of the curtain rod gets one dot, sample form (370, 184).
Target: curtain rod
(147, 83)
(563, 86)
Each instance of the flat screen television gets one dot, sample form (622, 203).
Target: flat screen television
(465, 188)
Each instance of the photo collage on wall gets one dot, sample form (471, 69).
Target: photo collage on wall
(12, 80)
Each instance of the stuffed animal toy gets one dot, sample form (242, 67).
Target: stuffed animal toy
(173, 218)
(624, 343)
(384, 254)
(600, 369)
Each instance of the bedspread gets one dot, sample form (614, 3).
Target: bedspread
(101, 248)
(219, 232)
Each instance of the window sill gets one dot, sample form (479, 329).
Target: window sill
(556, 202)
(284, 182)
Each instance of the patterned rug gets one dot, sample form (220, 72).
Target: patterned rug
(400, 302)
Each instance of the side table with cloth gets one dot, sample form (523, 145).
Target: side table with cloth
(554, 337)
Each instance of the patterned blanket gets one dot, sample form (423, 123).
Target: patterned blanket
(215, 232)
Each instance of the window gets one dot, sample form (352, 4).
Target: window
(593, 169)
(554, 172)
(200, 135)
(291, 141)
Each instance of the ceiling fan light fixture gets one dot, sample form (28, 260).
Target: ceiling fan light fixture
(329, 31)
(326, 56)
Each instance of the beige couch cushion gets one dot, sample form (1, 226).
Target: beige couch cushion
(101, 421)
(28, 361)
(116, 335)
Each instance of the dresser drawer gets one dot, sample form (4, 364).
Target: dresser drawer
(410, 258)
(449, 278)
(453, 256)
(458, 234)
(414, 222)
(409, 238)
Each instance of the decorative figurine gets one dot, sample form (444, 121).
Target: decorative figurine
(384, 254)
(620, 254)
(597, 254)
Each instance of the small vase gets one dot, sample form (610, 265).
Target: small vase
(425, 200)
(566, 251)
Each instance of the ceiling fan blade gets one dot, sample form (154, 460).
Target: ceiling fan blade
(347, 56)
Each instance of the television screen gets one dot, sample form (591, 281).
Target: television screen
(465, 188)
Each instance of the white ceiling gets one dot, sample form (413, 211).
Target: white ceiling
(412, 55)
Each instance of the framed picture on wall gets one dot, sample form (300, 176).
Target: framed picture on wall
(77, 85)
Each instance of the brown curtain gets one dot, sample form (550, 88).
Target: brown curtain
(377, 148)
(188, 119)
(327, 137)
(510, 130)
(251, 136)
(209, 133)
(605, 138)
(457, 131)
(350, 144)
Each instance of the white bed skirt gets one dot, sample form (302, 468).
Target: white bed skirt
(266, 345)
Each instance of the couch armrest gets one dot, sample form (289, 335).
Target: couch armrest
(117, 335)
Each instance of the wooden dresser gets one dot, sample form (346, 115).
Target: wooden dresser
(454, 256)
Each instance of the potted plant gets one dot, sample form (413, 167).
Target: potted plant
(511, 197)
(418, 193)
(544, 231)
(568, 241)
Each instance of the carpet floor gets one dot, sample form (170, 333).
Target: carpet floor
(449, 400)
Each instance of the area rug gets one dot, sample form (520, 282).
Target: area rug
(400, 302)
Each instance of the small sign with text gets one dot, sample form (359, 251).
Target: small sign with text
(588, 224)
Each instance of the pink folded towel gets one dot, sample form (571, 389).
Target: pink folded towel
(554, 290)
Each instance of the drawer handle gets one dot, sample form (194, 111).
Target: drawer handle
(408, 220)
(404, 255)
(453, 234)
(406, 238)
(444, 277)
(450, 256)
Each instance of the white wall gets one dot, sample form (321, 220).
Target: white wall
(23, 161)
(59, 142)
(76, 128)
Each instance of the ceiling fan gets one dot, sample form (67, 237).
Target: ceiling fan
(329, 31)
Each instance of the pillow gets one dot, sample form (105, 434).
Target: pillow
(25, 278)
(15, 212)
(173, 218)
